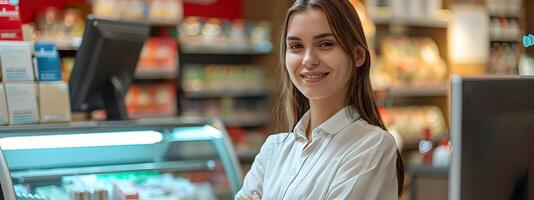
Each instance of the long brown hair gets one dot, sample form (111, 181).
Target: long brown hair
(349, 32)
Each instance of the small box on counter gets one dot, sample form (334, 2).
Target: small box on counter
(47, 62)
(54, 102)
(22, 103)
(16, 61)
(4, 117)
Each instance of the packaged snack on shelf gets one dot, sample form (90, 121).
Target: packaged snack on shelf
(189, 31)
(166, 11)
(220, 35)
(154, 11)
(108, 9)
(16, 61)
(54, 102)
(151, 100)
(237, 35)
(412, 61)
(63, 28)
(159, 55)
(47, 67)
(411, 121)
(10, 25)
(224, 78)
(132, 9)
(504, 7)
(212, 33)
(260, 37)
(22, 103)
(504, 59)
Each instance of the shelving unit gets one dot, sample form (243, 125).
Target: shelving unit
(218, 72)
(262, 92)
(434, 93)
(155, 75)
(186, 59)
(506, 26)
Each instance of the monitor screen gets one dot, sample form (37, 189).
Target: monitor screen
(492, 131)
(105, 64)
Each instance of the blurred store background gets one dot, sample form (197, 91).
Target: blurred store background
(218, 58)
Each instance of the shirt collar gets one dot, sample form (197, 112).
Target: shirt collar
(302, 125)
(340, 120)
(333, 125)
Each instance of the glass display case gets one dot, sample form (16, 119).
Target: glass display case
(167, 158)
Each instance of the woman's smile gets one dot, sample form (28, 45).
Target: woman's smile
(313, 77)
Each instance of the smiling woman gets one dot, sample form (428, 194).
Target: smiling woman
(337, 146)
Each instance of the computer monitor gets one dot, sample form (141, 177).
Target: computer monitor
(105, 65)
(492, 132)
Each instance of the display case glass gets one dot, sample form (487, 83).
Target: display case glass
(166, 158)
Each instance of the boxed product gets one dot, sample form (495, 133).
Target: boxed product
(10, 25)
(4, 117)
(16, 61)
(22, 103)
(54, 102)
(47, 65)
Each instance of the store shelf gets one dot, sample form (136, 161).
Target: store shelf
(505, 39)
(46, 174)
(505, 14)
(383, 16)
(418, 90)
(64, 44)
(228, 93)
(215, 51)
(159, 74)
(161, 24)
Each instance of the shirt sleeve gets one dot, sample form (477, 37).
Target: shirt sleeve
(368, 173)
(254, 179)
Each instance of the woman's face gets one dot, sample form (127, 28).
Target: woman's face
(316, 63)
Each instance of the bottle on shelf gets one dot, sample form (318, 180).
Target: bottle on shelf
(425, 147)
(442, 153)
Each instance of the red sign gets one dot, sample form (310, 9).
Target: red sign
(10, 25)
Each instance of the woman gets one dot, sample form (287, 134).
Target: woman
(337, 147)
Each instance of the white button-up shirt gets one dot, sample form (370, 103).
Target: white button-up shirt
(347, 159)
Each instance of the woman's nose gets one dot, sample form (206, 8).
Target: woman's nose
(310, 59)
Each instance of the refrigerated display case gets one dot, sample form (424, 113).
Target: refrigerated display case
(195, 151)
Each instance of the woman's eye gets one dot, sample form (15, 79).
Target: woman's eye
(295, 46)
(326, 44)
